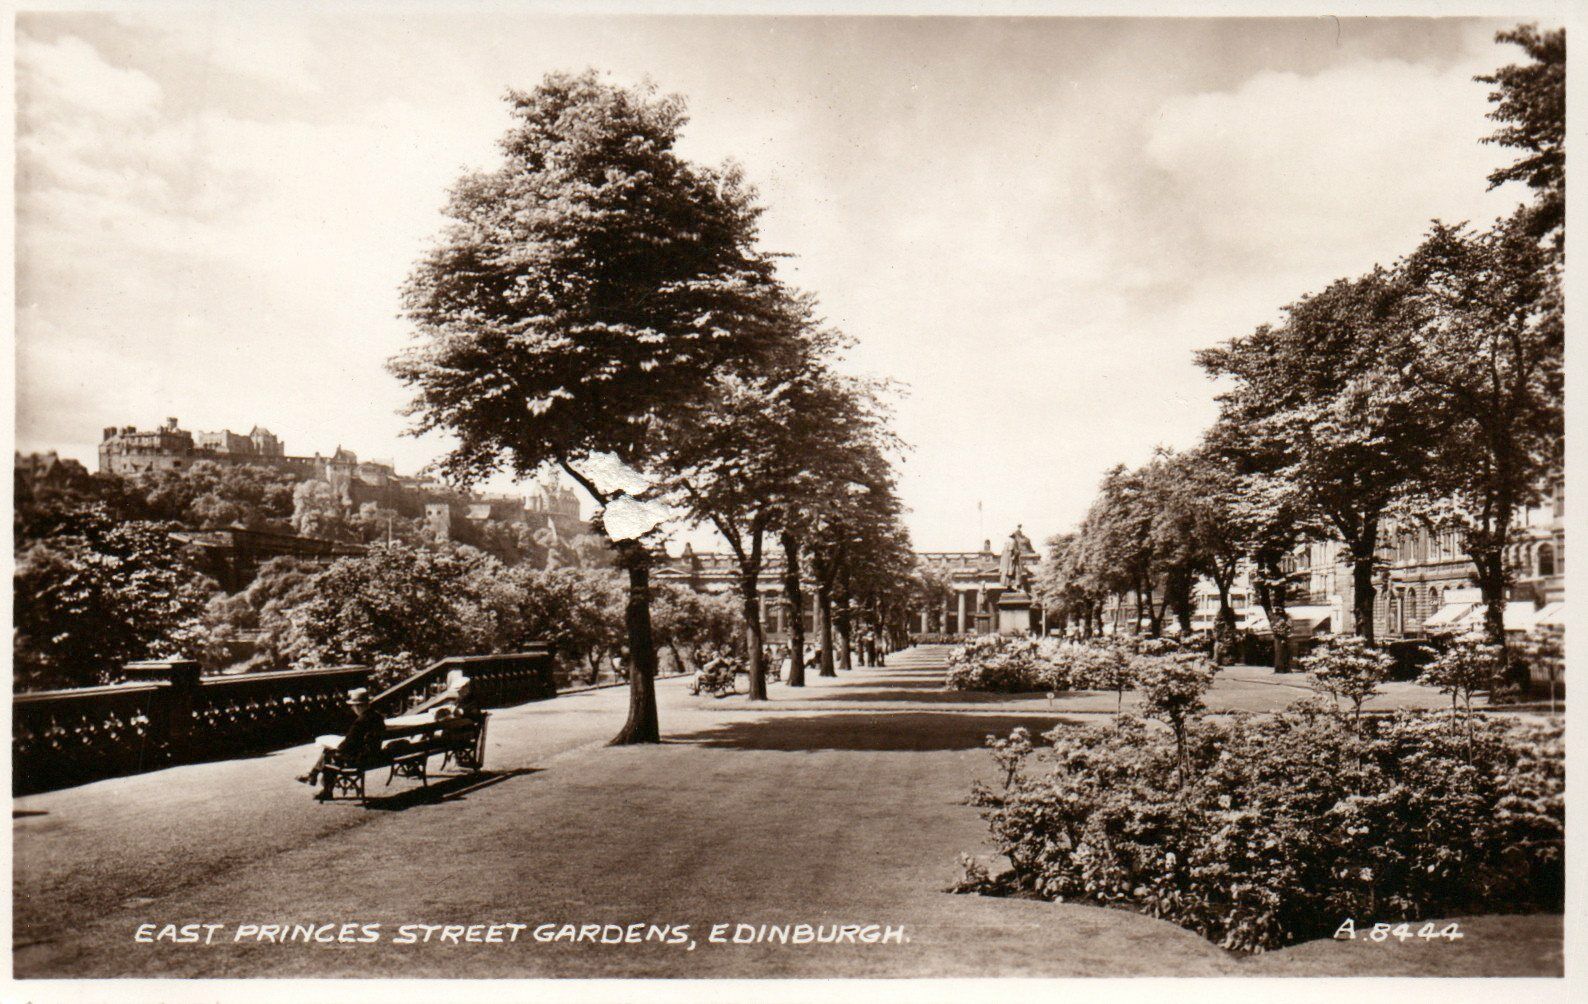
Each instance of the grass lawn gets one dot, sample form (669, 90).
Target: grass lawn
(843, 804)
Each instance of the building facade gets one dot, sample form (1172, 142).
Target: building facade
(128, 451)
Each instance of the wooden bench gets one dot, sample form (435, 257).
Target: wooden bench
(406, 749)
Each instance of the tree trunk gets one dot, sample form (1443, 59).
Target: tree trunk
(1362, 595)
(845, 625)
(1182, 610)
(796, 605)
(685, 664)
(824, 629)
(755, 649)
(1224, 629)
(1271, 595)
(641, 726)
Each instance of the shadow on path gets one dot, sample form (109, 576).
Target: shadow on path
(859, 731)
(448, 789)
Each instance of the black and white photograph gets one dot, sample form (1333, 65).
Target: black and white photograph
(558, 493)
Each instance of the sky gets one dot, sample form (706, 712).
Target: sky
(1030, 223)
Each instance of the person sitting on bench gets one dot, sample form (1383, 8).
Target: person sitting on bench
(363, 737)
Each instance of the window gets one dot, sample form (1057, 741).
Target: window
(1545, 560)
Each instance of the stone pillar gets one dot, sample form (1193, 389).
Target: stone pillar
(175, 727)
(960, 624)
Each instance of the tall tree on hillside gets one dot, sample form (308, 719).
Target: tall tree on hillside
(99, 592)
(1530, 102)
(1486, 347)
(585, 290)
(1346, 429)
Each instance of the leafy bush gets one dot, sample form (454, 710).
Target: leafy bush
(1467, 665)
(1001, 663)
(1347, 666)
(1172, 687)
(1285, 824)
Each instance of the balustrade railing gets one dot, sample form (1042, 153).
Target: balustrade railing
(169, 713)
(62, 737)
(498, 681)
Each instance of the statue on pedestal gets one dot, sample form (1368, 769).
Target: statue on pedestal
(1012, 572)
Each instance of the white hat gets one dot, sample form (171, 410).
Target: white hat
(358, 695)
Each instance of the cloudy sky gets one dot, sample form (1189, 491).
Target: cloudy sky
(1032, 223)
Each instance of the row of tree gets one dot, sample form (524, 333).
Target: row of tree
(1426, 394)
(598, 301)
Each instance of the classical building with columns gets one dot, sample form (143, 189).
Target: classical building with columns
(983, 596)
(984, 588)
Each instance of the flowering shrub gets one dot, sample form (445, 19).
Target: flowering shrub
(1347, 666)
(1172, 687)
(1469, 664)
(1004, 663)
(1285, 824)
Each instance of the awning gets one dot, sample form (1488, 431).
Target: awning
(1553, 615)
(1517, 616)
(1304, 620)
(1447, 615)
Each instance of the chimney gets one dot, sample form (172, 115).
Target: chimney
(110, 430)
(170, 424)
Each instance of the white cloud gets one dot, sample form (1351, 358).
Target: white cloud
(1330, 172)
(69, 75)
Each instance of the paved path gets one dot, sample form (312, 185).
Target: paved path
(841, 804)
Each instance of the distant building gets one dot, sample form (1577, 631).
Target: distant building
(49, 469)
(128, 451)
(971, 607)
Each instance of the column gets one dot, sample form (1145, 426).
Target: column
(960, 624)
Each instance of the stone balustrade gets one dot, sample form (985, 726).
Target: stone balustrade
(168, 713)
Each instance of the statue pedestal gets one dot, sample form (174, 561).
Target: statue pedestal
(1014, 613)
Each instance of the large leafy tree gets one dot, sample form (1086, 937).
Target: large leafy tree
(586, 289)
(745, 456)
(1117, 542)
(1530, 104)
(1268, 518)
(1064, 588)
(1486, 348)
(1203, 490)
(1342, 426)
(858, 519)
(99, 593)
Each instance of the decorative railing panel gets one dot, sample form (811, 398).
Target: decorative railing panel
(173, 715)
(65, 737)
(498, 681)
(270, 709)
